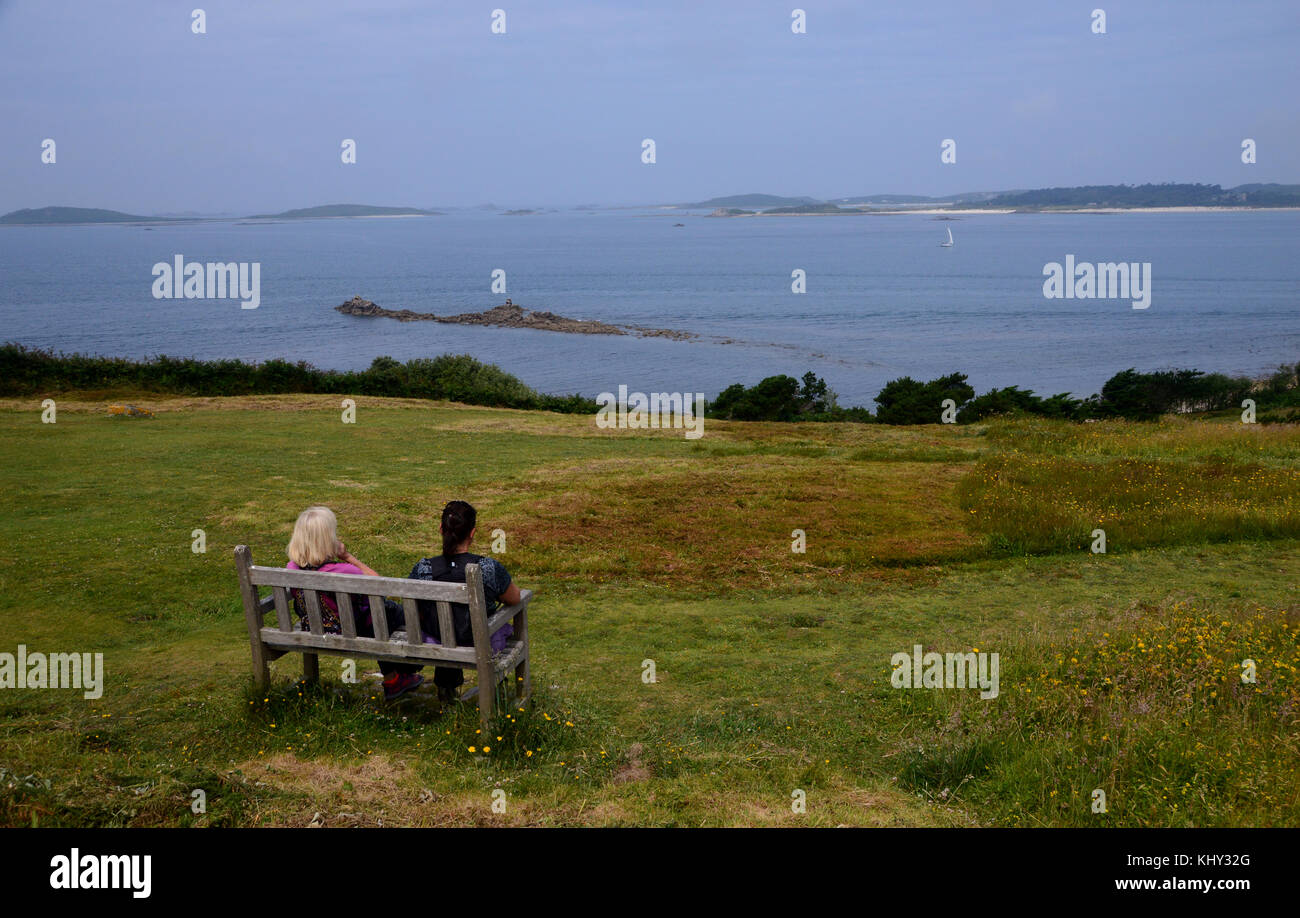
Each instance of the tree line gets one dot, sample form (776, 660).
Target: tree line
(1129, 394)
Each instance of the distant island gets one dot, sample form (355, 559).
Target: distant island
(53, 215)
(1166, 195)
(346, 210)
(1076, 198)
(793, 209)
(809, 209)
(747, 201)
(48, 216)
(965, 197)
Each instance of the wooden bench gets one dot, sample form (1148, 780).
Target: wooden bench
(409, 647)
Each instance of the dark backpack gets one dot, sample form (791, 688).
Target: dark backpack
(441, 569)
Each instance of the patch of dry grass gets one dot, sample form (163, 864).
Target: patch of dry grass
(710, 525)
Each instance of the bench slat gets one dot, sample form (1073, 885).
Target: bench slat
(446, 630)
(346, 621)
(281, 596)
(302, 641)
(506, 613)
(413, 635)
(436, 590)
(379, 616)
(312, 598)
(252, 615)
(482, 645)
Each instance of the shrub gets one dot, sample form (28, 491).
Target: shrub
(906, 401)
(1145, 396)
(453, 377)
(783, 398)
(1015, 401)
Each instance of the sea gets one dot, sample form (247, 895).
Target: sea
(882, 298)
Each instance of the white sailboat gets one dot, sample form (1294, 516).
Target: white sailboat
(948, 244)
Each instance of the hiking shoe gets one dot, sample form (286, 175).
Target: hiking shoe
(398, 684)
(447, 694)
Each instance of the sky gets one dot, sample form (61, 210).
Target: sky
(249, 117)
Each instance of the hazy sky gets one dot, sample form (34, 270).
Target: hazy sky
(149, 117)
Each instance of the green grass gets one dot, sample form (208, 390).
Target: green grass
(772, 667)
(1174, 483)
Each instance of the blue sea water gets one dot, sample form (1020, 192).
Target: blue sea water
(883, 298)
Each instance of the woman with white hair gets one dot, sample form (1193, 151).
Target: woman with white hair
(315, 546)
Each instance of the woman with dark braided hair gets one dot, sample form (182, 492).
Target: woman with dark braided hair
(458, 528)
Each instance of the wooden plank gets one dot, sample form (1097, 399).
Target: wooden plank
(282, 616)
(379, 616)
(446, 628)
(500, 620)
(346, 621)
(312, 599)
(435, 590)
(522, 686)
(482, 645)
(509, 658)
(412, 610)
(300, 641)
(522, 676)
(252, 616)
(505, 613)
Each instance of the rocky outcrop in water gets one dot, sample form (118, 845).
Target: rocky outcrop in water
(361, 307)
(508, 315)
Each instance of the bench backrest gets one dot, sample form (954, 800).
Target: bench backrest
(345, 586)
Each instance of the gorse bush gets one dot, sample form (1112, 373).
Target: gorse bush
(457, 378)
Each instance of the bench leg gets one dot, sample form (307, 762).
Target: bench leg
(487, 691)
(310, 667)
(261, 671)
(523, 682)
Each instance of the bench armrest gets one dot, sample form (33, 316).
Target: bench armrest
(508, 613)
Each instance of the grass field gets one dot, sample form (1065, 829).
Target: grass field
(1120, 671)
